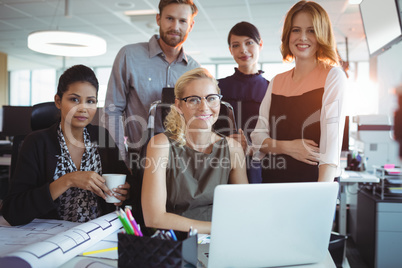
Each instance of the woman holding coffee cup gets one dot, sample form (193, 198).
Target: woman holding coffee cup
(58, 173)
(186, 163)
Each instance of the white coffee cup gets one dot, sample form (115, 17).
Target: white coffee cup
(113, 181)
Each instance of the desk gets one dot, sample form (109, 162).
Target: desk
(64, 229)
(5, 152)
(5, 160)
(81, 262)
(348, 178)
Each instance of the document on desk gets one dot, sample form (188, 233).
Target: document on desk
(59, 247)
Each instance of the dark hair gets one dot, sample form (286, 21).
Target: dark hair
(245, 29)
(76, 73)
(164, 3)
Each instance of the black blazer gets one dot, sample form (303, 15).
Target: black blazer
(29, 196)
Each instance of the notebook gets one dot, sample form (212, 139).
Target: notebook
(266, 225)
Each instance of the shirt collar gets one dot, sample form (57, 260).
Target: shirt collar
(155, 49)
(87, 141)
(238, 73)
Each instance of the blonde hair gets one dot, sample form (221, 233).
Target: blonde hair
(174, 122)
(326, 52)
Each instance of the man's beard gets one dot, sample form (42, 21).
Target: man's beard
(171, 41)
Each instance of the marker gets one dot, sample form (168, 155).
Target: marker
(126, 224)
(130, 217)
(99, 251)
(128, 213)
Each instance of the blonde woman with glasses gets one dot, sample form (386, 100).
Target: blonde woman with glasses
(186, 163)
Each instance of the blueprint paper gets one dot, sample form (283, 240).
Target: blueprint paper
(87, 262)
(59, 248)
(13, 238)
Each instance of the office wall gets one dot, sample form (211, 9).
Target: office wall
(389, 76)
(3, 80)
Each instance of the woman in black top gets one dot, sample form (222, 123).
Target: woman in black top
(246, 88)
(58, 173)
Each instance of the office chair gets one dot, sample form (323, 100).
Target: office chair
(43, 115)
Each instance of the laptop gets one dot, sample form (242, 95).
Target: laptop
(267, 225)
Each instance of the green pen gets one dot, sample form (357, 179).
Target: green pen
(127, 227)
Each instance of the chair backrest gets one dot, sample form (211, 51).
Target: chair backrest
(17, 142)
(168, 95)
(226, 123)
(44, 115)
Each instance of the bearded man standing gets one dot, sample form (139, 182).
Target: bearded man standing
(140, 72)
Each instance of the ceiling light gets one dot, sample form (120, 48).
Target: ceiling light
(140, 12)
(70, 44)
(125, 5)
(355, 2)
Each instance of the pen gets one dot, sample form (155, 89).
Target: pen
(126, 224)
(137, 231)
(168, 236)
(190, 232)
(98, 251)
(173, 235)
(156, 234)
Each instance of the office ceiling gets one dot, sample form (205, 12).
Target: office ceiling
(206, 43)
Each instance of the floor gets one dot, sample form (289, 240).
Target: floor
(353, 257)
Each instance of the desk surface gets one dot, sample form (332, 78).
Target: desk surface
(326, 263)
(358, 176)
(81, 262)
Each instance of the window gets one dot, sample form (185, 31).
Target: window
(272, 69)
(359, 85)
(225, 70)
(211, 68)
(43, 86)
(103, 75)
(28, 88)
(20, 88)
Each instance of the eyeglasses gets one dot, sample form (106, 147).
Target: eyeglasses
(193, 102)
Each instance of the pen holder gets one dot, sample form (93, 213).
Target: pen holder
(136, 251)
